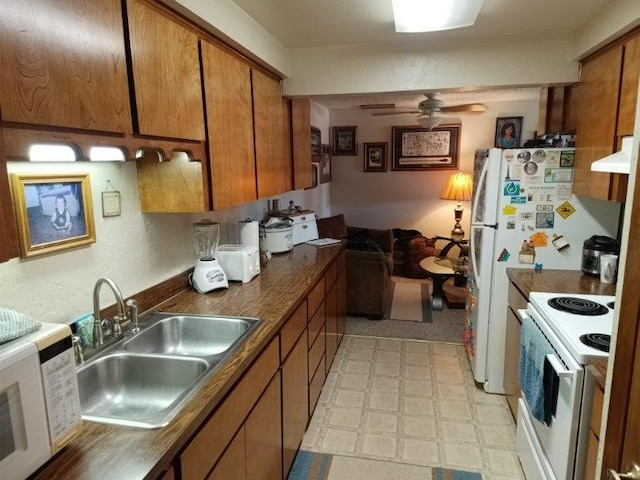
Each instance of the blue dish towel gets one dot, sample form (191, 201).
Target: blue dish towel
(533, 349)
(14, 324)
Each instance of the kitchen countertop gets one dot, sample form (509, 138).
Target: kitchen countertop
(560, 281)
(107, 451)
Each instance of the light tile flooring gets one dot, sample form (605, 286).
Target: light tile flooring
(412, 404)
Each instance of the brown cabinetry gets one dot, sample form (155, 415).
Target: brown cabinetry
(516, 300)
(605, 112)
(227, 88)
(166, 74)
(301, 131)
(273, 172)
(596, 372)
(64, 65)
(233, 462)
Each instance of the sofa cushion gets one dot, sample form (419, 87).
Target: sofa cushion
(332, 227)
(363, 242)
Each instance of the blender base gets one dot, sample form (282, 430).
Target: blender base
(208, 275)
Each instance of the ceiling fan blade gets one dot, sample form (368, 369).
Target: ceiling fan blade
(405, 112)
(469, 107)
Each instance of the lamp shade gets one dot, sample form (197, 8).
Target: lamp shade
(458, 188)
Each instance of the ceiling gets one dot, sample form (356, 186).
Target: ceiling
(326, 23)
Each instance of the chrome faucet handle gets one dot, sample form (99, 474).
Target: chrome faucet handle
(133, 315)
(117, 327)
(78, 351)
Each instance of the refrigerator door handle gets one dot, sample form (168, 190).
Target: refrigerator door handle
(472, 251)
(476, 194)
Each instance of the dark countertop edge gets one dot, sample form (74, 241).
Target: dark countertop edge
(528, 280)
(120, 447)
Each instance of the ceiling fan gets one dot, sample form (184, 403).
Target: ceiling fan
(429, 109)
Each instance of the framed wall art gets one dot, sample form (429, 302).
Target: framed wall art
(375, 157)
(316, 141)
(344, 141)
(53, 212)
(508, 132)
(325, 164)
(417, 148)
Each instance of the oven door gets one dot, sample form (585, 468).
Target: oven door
(552, 446)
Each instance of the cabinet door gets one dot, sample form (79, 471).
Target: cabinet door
(512, 361)
(273, 172)
(8, 233)
(166, 74)
(227, 84)
(63, 64)
(263, 429)
(629, 87)
(342, 303)
(233, 462)
(295, 404)
(331, 318)
(301, 126)
(596, 127)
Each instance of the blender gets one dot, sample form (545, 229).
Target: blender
(207, 274)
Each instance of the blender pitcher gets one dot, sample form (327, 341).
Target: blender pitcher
(208, 274)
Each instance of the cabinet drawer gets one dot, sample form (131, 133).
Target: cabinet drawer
(316, 352)
(292, 329)
(515, 299)
(315, 387)
(596, 412)
(207, 446)
(316, 324)
(315, 297)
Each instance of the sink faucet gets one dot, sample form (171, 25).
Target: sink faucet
(98, 334)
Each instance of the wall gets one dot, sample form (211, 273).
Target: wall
(410, 200)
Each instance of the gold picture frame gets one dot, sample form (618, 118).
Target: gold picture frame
(53, 212)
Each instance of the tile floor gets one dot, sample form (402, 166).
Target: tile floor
(410, 404)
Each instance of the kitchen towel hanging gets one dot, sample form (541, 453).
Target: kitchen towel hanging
(249, 233)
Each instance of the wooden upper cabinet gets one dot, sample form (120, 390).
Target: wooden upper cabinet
(166, 74)
(629, 87)
(227, 86)
(8, 232)
(596, 124)
(274, 174)
(301, 130)
(63, 64)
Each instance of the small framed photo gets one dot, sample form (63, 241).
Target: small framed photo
(508, 132)
(325, 164)
(316, 141)
(344, 141)
(53, 212)
(375, 157)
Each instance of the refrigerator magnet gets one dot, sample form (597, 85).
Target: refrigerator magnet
(565, 210)
(559, 242)
(527, 253)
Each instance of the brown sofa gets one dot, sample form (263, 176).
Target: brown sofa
(369, 266)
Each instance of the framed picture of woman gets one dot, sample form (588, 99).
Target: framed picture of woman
(508, 132)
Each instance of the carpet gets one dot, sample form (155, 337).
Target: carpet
(316, 466)
(446, 325)
(411, 301)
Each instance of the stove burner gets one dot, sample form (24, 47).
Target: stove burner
(599, 341)
(578, 306)
(611, 305)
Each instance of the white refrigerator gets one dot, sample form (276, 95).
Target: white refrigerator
(523, 215)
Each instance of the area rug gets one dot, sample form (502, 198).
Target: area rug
(317, 466)
(411, 301)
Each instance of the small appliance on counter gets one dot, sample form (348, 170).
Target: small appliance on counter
(593, 248)
(276, 235)
(304, 226)
(208, 274)
(240, 262)
(39, 399)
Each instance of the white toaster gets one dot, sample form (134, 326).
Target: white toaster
(240, 262)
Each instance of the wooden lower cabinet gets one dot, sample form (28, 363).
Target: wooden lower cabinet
(342, 303)
(233, 463)
(295, 404)
(331, 315)
(263, 429)
(515, 301)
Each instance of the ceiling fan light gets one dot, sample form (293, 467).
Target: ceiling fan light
(434, 15)
(429, 122)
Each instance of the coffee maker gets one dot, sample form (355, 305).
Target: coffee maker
(208, 274)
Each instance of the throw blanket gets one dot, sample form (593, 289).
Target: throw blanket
(534, 347)
(14, 324)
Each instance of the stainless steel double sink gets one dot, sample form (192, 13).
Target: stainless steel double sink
(145, 380)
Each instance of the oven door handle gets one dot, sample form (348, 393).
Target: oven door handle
(561, 372)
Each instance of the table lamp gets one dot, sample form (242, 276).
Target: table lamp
(458, 188)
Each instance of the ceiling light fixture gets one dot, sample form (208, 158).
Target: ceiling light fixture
(429, 121)
(434, 15)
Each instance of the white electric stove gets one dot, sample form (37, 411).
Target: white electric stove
(593, 317)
